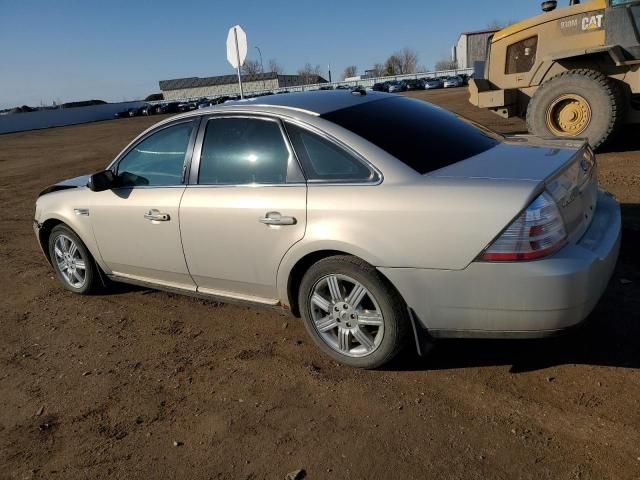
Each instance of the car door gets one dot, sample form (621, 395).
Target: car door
(244, 208)
(136, 225)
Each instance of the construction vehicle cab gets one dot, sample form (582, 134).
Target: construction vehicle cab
(572, 71)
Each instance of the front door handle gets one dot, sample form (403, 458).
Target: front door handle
(157, 216)
(275, 218)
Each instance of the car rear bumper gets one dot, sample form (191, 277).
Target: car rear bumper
(517, 299)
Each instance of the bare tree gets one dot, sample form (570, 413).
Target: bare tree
(350, 71)
(393, 65)
(275, 67)
(377, 70)
(309, 74)
(446, 65)
(409, 60)
(251, 67)
(401, 62)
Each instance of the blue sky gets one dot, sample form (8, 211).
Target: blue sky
(70, 50)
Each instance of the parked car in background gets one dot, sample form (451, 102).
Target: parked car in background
(133, 112)
(149, 109)
(381, 87)
(122, 114)
(451, 82)
(139, 111)
(344, 87)
(397, 86)
(204, 103)
(171, 107)
(415, 84)
(187, 106)
(433, 83)
(492, 237)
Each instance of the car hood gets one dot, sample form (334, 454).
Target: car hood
(517, 158)
(74, 182)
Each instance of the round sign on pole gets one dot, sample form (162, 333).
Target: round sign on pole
(236, 54)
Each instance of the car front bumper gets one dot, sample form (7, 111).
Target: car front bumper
(517, 299)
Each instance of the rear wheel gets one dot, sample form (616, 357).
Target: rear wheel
(352, 312)
(576, 103)
(72, 261)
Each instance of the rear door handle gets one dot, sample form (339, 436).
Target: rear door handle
(157, 216)
(275, 218)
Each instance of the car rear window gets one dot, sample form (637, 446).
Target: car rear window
(421, 135)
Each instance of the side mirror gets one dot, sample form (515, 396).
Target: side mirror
(102, 181)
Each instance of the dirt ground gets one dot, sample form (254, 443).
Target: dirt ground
(136, 383)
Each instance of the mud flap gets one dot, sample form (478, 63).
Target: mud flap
(424, 342)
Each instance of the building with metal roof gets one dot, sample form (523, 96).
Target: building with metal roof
(193, 87)
(472, 47)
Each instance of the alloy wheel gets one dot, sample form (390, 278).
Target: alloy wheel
(346, 315)
(69, 261)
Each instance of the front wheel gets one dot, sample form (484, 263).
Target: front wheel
(352, 312)
(72, 261)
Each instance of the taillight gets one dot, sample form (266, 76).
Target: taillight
(538, 231)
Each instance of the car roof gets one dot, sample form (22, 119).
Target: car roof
(309, 104)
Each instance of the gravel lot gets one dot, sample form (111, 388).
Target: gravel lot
(142, 384)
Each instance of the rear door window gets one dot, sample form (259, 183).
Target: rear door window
(241, 151)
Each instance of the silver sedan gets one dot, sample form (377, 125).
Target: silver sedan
(380, 220)
(452, 82)
(432, 83)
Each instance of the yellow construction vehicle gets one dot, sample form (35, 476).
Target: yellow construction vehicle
(571, 72)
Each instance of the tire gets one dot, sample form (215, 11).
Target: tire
(380, 315)
(604, 104)
(60, 237)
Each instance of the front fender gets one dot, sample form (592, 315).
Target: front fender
(71, 207)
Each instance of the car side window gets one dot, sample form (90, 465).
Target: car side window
(324, 160)
(241, 151)
(158, 160)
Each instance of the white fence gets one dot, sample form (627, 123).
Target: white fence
(19, 122)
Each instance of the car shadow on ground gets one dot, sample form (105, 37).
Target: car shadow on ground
(117, 288)
(626, 140)
(609, 337)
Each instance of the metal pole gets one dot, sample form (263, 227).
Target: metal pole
(235, 36)
(264, 87)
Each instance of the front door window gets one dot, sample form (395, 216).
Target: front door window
(158, 160)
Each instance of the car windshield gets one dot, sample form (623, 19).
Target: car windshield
(420, 135)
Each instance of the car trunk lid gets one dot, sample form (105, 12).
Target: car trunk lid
(565, 168)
